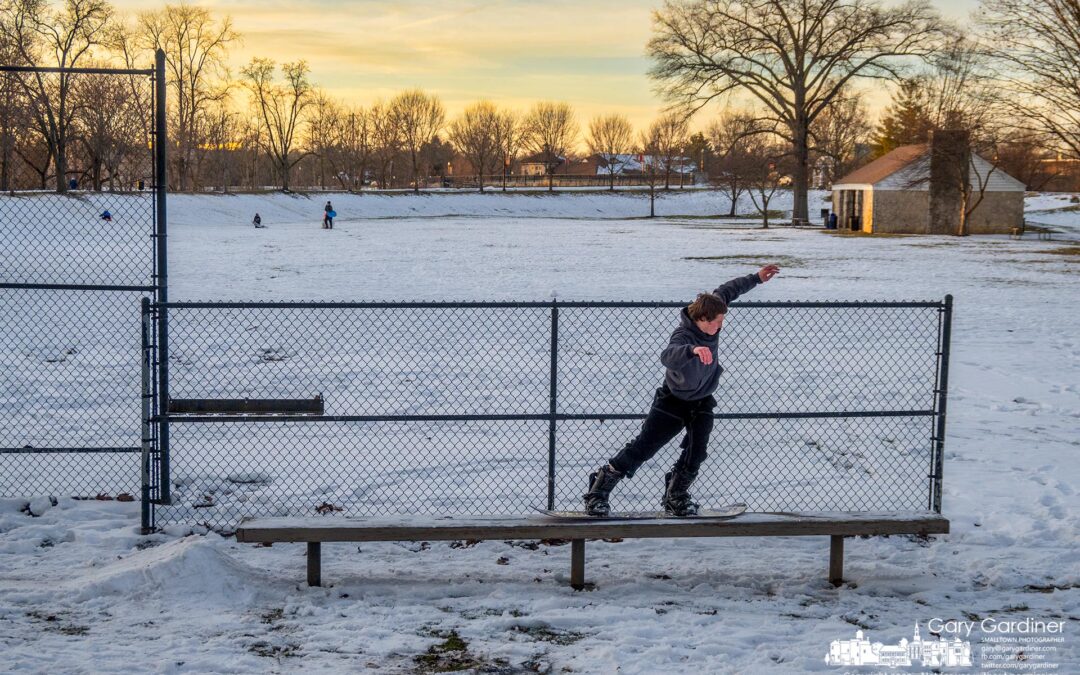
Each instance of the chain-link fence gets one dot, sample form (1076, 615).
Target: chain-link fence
(506, 407)
(74, 264)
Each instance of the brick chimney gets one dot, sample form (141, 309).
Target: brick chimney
(950, 167)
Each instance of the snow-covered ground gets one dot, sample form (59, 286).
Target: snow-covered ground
(81, 592)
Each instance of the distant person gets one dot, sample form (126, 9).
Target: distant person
(832, 221)
(328, 216)
(106, 216)
(257, 221)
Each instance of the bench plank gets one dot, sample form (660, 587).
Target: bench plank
(837, 525)
(448, 528)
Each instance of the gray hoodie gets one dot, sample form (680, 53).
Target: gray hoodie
(687, 377)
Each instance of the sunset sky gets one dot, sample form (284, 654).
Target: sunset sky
(589, 53)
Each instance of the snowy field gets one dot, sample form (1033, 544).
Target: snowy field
(81, 592)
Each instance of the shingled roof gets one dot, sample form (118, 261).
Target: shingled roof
(884, 166)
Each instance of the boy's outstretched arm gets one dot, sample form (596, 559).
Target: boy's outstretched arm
(740, 285)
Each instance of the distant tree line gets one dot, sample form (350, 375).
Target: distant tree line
(787, 73)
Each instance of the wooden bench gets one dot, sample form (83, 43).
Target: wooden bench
(837, 525)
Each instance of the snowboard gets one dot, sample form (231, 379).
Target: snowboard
(726, 511)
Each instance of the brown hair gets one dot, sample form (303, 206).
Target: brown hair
(706, 307)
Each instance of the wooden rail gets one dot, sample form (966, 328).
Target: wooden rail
(837, 525)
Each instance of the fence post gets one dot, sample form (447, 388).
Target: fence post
(552, 403)
(161, 190)
(942, 398)
(146, 355)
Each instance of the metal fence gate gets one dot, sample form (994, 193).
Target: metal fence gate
(74, 264)
(506, 407)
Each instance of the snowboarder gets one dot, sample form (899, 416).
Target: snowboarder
(106, 216)
(328, 216)
(684, 401)
(257, 221)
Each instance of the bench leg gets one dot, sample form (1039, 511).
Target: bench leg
(836, 559)
(314, 563)
(577, 564)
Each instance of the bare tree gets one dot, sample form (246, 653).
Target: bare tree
(280, 109)
(965, 109)
(63, 37)
(672, 130)
(34, 151)
(355, 140)
(732, 162)
(511, 136)
(648, 147)
(767, 153)
(323, 137)
(106, 124)
(385, 142)
(224, 145)
(1036, 44)
(795, 58)
(612, 138)
(837, 134)
(196, 48)
(1022, 155)
(122, 40)
(550, 131)
(475, 134)
(418, 117)
(13, 113)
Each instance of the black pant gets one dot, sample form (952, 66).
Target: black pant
(668, 416)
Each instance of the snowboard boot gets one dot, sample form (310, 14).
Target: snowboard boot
(601, 483)
(677, 500)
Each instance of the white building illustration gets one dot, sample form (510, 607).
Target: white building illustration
(862, 652)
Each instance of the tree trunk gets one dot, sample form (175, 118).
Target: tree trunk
(5, 163)
(965, 198)
(801, 179)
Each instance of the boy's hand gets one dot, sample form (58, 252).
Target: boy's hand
(703, 353)
(768, 272)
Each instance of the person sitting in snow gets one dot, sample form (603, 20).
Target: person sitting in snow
(684, 401)
(257, 221)
(106, 216)
(328, 220)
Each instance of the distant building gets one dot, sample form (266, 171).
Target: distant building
(537, 165)
(637, 165)
(904, 192)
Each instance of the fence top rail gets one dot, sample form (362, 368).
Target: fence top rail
(77, 287)
(547, 304)
(87, 71)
